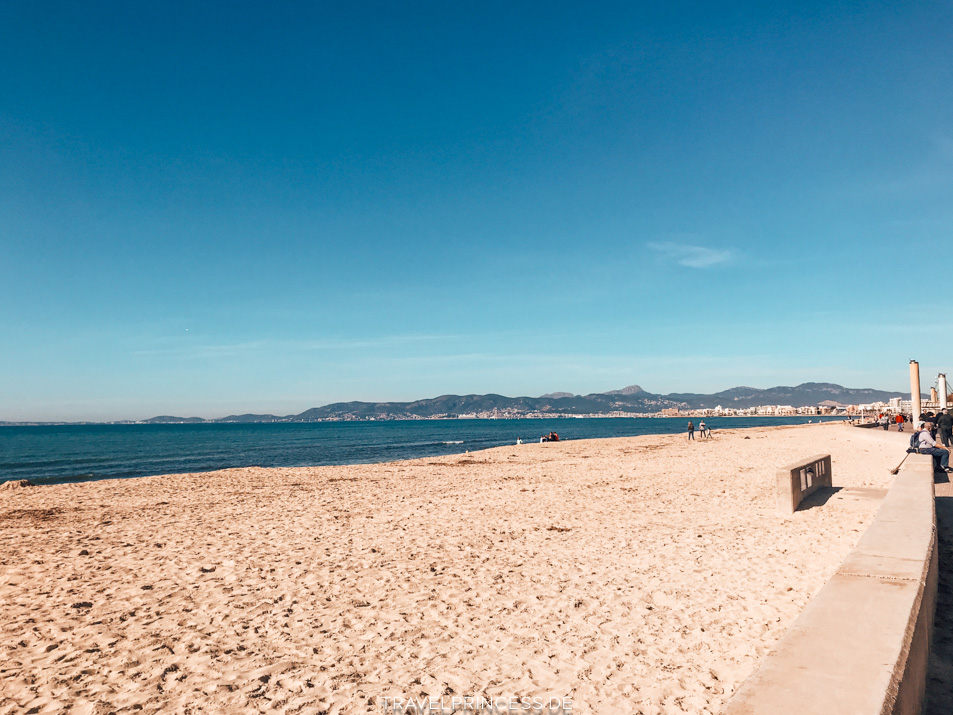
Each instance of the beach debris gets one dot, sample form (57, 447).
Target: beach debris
(16, 484)
(147, 587)
(559, 528)
(210, 569)
(84, 552)
(82, 604)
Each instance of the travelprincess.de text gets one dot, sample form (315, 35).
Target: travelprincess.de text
(478, 704)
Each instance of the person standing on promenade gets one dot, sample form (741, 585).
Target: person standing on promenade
(944, 426)
(899, 421)
(927, 445)
(691, 430)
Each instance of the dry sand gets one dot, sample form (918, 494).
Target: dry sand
(635, 575)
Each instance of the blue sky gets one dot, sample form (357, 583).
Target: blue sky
(210, 208)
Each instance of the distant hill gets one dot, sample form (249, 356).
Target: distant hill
(804, 395)
(631, 399)
(630, 390)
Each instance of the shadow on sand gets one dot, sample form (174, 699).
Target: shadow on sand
(818, 498)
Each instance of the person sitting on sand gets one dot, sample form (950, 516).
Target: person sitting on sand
(927, 445)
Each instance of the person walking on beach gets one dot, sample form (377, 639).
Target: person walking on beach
(691, 430)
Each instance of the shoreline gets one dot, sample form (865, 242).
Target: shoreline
(645, 574)
(47, 455)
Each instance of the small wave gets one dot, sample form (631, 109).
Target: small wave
(384, 446)
(453, 441)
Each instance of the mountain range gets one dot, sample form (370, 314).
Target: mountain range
(631, 399)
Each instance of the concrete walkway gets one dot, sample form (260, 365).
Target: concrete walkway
(940, 676)
(939, 695)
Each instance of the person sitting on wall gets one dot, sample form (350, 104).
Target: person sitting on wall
(927, 445)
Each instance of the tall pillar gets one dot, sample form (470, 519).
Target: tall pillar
(941, 384)
(915, 390)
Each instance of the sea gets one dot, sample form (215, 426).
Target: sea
(52, 454)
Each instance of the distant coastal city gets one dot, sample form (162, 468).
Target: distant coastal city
(893, 406)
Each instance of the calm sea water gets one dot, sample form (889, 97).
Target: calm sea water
(73, 453)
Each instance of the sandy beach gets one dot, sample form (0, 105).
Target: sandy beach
(635, 575)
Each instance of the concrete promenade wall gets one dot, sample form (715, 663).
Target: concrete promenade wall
(862, 644)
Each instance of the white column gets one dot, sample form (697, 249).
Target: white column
(941, 386)
(915, 390)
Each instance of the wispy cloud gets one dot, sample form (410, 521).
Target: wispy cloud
(685, 254)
